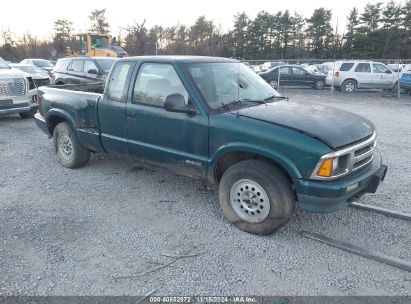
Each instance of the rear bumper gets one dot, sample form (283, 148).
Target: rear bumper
(41, 123)
(329, 196)
(335, 81)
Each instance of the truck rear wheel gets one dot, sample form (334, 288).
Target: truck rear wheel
(68, 150)
(256, 197)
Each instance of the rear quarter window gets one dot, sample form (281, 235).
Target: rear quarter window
(346, 66)
(119, 79)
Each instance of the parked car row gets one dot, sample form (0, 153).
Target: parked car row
(18, 93)
(19, 81)
(347, 76)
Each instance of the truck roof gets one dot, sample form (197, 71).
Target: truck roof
(180, 58)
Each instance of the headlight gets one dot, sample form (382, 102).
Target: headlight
(342, 162)
(327, 167)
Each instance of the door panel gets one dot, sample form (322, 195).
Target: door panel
(75, 72)
(363, 75)
(382, 76)
(112, 109)
(175, 140)
(301, 77)
(90, 65)
(285, 76)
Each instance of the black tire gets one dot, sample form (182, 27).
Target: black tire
(273, 84)
(349, 86)
(275, 185)
(29, 114)
(68, 150)
(59, 83)
(319, 85)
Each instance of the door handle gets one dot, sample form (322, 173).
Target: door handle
(131, 114)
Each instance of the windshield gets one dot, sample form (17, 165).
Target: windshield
(29, 69)
(224, 83)
(106, 64)
(43, 63)
(99, 42)
(3, 64)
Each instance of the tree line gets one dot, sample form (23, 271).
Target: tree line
(376, 31)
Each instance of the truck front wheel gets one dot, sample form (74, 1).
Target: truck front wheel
(69, 152)
(256, 197)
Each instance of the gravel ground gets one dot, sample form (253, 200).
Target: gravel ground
(78, 232)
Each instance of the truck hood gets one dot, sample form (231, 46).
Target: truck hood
(334, 127)
(12, 73)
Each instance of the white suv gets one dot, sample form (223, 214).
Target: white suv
(351, 75)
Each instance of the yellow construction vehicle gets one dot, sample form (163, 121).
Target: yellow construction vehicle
(97, 45)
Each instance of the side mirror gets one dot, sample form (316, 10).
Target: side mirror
(176, 103)
(92, 71)
(388, 72)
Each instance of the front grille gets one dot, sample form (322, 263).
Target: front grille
(41, 82)
(10, 87)
(363, 155)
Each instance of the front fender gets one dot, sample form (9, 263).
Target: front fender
(279, 158)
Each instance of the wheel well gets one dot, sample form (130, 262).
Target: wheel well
(352, 79)
(229, 159)
(59, 82)
(53, 121)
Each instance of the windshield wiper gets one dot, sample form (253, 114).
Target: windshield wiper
(274, 97)
(235, 102)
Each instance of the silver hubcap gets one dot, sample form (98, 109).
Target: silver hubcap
(250, 201)
(65, 146)
(349, 87)
(273, 84)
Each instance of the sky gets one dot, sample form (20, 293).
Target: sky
(37, 17)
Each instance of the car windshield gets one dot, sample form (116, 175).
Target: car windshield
(225, 83)
(106, 64)
(29, 69)
(43, 63)
(3, 64)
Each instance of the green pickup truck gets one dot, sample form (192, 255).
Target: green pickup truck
(215, 119)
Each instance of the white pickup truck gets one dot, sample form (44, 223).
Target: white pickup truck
(18, 93)
(349, 76)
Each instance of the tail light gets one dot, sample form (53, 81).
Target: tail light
(337, 74)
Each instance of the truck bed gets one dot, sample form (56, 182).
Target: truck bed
(95, 87)
(76, 104)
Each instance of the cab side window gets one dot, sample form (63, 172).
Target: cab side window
(284, 70)
(298, 71)
(118, 82)
(76, 66)
(363, 68)
(154, 82)
(90, 66)
(379, 68)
